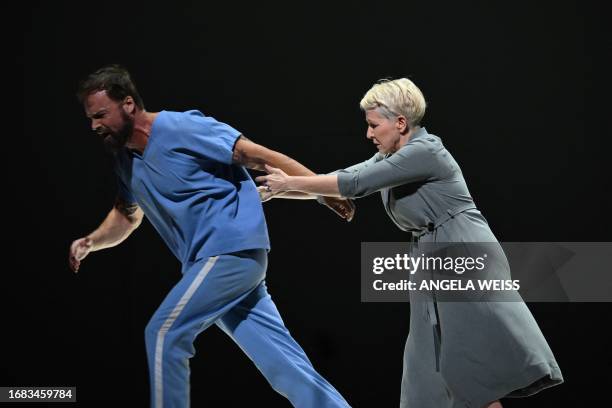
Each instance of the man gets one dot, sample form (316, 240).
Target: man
(186, 173)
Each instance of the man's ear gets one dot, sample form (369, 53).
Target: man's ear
(401, 124)
(128, 105)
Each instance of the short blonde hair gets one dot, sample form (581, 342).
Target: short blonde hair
(396, 97)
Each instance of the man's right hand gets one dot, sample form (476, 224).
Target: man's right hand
(78, 251)
(345, 208)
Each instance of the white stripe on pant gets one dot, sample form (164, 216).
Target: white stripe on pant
(229, 290)
(159, 348)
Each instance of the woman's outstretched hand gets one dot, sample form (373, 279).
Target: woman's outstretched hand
(276, 181)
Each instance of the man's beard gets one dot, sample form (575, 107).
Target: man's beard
(115, 141)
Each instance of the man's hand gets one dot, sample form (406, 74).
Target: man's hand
(265, 194)
(341, 206)
(79, 250)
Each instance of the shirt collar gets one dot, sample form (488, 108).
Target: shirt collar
(418, 132)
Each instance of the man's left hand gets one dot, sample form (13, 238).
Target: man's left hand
(265, 194)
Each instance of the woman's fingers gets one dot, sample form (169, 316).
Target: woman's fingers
(275, 181)
(266, 180)
(261, 179)
(273, 170)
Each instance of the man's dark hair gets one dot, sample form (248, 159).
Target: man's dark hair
(115, 80)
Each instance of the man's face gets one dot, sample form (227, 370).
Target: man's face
(110, 119)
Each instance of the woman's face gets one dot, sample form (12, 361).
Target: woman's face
(383, 132)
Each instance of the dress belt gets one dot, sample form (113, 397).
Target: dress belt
(432, 225)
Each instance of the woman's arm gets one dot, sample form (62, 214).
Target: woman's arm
(277, 181)
(266, 195)
(255, 156)
(414, 163)
(326, 185)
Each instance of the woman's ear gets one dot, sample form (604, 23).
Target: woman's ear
(401, 124)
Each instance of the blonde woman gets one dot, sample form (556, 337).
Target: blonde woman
(458, 354)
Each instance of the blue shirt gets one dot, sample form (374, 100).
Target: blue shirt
(185, 182)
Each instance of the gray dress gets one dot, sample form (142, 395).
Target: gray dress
(458, 354)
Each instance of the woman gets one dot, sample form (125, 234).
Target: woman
(458, 354)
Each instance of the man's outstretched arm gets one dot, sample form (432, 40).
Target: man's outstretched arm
(256, 157)
(120, 222)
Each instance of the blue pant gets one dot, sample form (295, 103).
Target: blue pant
(229, 290)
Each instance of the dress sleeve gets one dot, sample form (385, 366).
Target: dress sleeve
(412, 163)
(359, 166)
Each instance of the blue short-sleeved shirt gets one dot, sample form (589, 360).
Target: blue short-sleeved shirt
(200, 203)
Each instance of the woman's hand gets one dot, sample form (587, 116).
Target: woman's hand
(276, 181)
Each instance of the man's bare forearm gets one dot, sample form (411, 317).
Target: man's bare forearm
(256, 157)
(120, 222)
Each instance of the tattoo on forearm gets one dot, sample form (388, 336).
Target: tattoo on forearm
(125, 208)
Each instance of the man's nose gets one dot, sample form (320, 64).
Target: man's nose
(95, 125)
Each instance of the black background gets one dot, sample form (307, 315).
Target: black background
(518, 91)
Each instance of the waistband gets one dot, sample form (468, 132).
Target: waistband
(447, 215)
